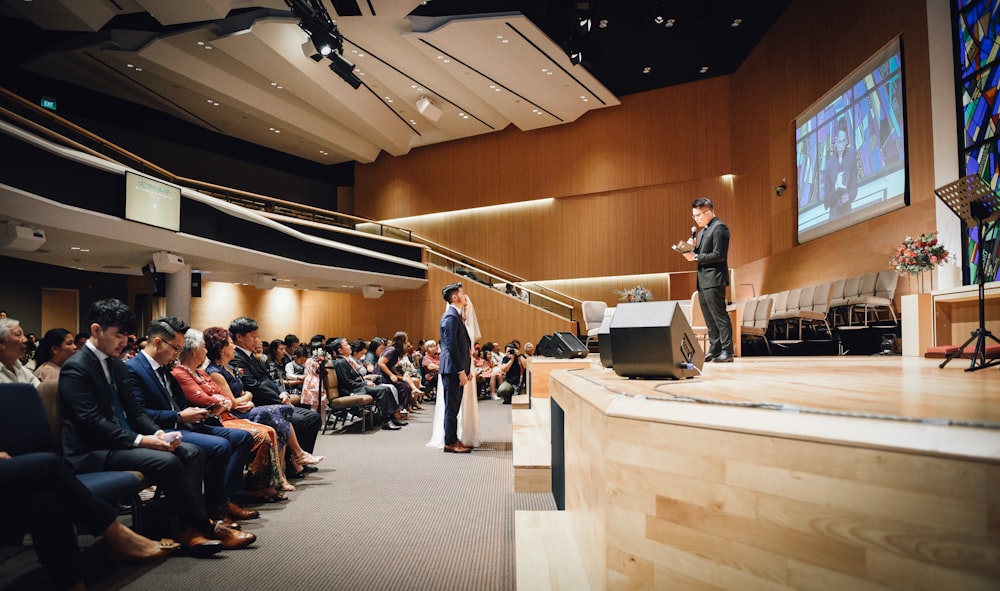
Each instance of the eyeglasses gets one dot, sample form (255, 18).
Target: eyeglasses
(698, 215)
(172, 346)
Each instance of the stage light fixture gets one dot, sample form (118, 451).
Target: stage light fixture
(323, 33)
(576, 57)
(345, 69)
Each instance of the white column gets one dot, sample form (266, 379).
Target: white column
(944, 117)
(179, 294)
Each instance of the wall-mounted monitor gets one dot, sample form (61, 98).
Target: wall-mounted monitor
(850, 148)
(152, 202)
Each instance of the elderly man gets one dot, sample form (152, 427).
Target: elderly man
(13, 346)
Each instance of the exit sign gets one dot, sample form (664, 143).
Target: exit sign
(48, 103)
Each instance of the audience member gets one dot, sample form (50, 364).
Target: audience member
(56, 347)
(512, 368)
(295, 371)
(264, 465)
(221, 352)
(266, 391)
(349, 382)
(13, 347)
(81, 339)
(46, 500)
(226, 450)
(432, 364)
(106, 428)
(386, 369)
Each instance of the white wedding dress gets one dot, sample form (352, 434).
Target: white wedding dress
(468, 414)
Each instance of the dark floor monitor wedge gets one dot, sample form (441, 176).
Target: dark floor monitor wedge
(654, 340)
(565, 345)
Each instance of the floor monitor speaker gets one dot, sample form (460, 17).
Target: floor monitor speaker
(565, 345)
(654, 340)
(544, 346)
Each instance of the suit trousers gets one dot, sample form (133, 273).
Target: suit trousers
(720, 329)
(178, 473)
(41, 495)
(306, 424)
(452, 403)
(227, 453)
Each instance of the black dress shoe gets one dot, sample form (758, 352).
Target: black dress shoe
(710, 356)
(399, 423)
(309, 469)
(292, 475)
(724, 357)
(388, 426)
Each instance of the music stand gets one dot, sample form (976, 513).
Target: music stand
(975, 203)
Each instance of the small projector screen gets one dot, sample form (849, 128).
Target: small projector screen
(152, 202)
(850, 149)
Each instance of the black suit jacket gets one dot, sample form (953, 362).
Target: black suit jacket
(713, 255)
(455, 345)
(349, 380)
(89, 426)
(256, 380)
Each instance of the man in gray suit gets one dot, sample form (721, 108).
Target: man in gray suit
(712, 255)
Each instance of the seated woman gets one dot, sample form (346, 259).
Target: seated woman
(55, 348)
(221, 350)
(388, 360)
(412, 376)
(485, 372)
(264, 474)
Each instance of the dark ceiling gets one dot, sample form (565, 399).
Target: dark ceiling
(675, 40)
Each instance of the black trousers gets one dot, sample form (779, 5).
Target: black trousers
(720, 329)
(452, 403)
(40, 494)
(307, 424)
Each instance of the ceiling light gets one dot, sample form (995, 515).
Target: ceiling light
(602, 24)
(583, 25)
(736, 22)
(428, 109)
(670, 22)
(576, 57)
(647, 70)
(703, 69)
(658, 19)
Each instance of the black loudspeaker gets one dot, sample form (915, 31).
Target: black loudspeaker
(654, 340)
(159, 284)
(544, 346)
(565, 345)
(196, 285)
(604, 341)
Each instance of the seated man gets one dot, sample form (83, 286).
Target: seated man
(14, 346)
(265, 391)
(227, 450)
(349, 382)
(104, 427)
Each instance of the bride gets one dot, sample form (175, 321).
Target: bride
(468, 414)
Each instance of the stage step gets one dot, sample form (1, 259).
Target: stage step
(548, 557)
(532, 448)
(521, 401)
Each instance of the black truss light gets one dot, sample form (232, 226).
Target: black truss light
(322, 31)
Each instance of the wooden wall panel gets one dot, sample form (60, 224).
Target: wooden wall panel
(625, 176)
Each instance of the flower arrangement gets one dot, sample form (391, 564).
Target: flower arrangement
(920, 254)
(636, 294)
(320, 355)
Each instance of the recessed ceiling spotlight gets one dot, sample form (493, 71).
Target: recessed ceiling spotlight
(324, 152)
(658, 19)
(138, 69)
(603, 23)
(647, 70)
(736, 22)
(703, 69)
(670, 22)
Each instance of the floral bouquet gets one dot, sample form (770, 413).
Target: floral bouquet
(636, 294)
(920, 254)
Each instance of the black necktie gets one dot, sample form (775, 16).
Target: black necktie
(116, 404)
(165, 382)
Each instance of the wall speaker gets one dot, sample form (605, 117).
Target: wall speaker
(654, 340)
(565, 345)
(196, 285)
(372, 292)
(167, 262)
(265, 281)
(159, 284)
(22, 238)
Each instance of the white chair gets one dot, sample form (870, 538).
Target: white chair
(593, 315)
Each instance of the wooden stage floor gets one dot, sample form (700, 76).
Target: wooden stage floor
(894, 387)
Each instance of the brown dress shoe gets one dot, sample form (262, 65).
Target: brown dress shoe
(194, 544)
(232, 539)
(457, 449)
(237, 513)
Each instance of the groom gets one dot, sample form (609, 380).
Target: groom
(456, 364)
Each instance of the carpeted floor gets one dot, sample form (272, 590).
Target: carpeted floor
(384, 512)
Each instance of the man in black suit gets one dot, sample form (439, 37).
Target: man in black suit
(456, 364)
(350, 381)
(227, 450)
(104, 427)
(265, 390)
(712, 255)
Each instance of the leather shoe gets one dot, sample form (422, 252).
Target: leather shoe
(194, 544)
(237, 513)
(389, 426)
(710, 356)
(232, 539)
(398, 419)
(724, 357)
(457, 448)
(399, 423)
(309, 469)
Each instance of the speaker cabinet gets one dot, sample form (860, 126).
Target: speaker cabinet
(544, 346)
(654, 340)
(196, 285)
(565, 345)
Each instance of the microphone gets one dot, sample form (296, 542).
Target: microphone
(694, 231)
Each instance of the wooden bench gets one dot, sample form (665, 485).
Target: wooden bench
(547, 554)
(532, 448)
